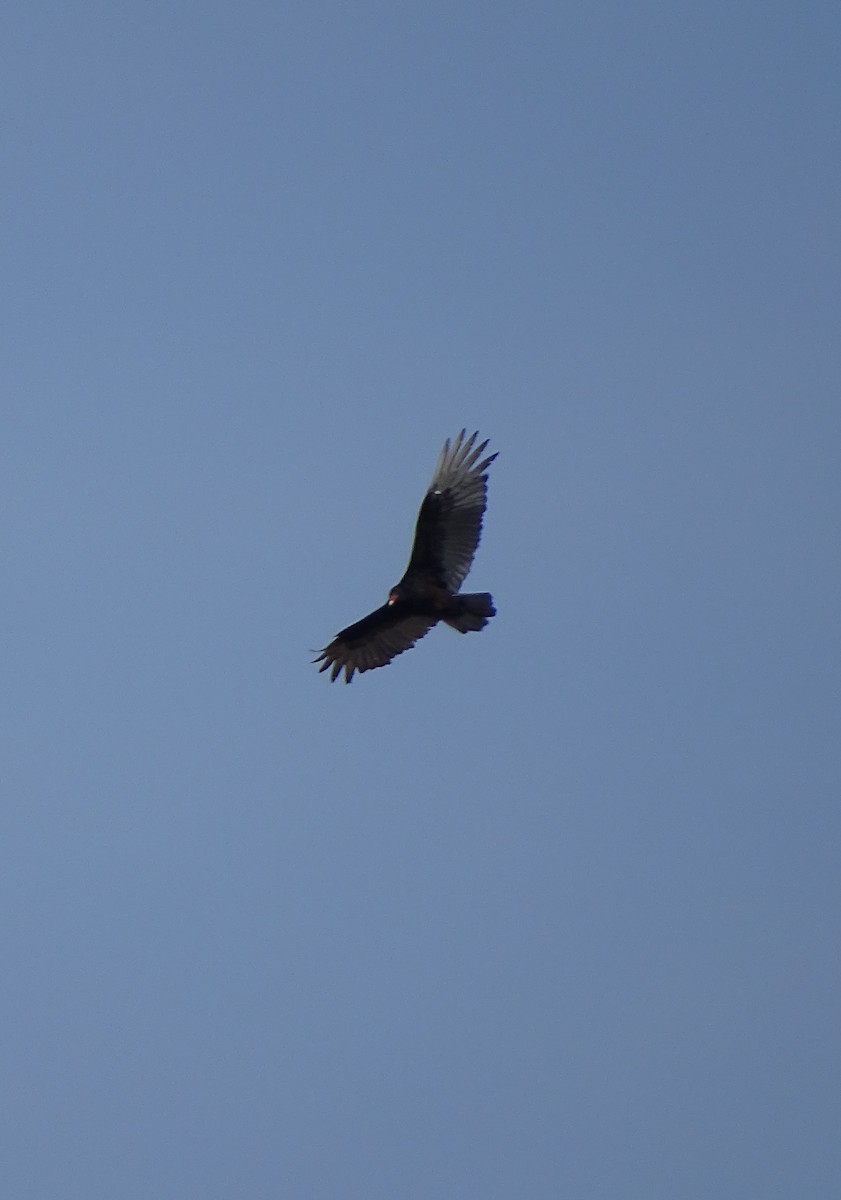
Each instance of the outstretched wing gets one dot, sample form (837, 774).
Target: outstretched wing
(373, 641)
(449, 523)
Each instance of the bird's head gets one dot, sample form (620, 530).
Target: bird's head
(395, 594)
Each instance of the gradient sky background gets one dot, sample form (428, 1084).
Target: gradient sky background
(548, 911)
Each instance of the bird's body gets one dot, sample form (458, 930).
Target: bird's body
(447, 533)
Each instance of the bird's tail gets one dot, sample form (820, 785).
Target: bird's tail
(473, 612)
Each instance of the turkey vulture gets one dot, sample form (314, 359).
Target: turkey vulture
(447, 533)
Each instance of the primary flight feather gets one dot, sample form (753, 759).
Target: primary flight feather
(447, 533)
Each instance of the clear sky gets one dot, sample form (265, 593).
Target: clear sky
(551, 910)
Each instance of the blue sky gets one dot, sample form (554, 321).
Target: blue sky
(552, 910)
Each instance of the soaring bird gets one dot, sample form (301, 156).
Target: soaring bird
(447, 533)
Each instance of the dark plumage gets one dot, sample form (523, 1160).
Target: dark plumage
(447, 533)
